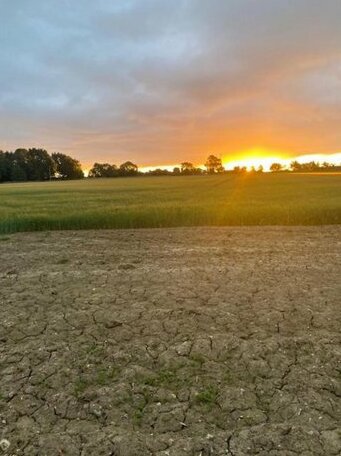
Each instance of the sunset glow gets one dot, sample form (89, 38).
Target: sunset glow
(265, 161)
(157, 82)
(260, 158)
(256, 157)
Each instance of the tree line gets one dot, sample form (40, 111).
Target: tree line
(106, 170)
(310, 167)
(37, 165)
(213, 165)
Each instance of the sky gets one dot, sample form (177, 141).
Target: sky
(159, 82)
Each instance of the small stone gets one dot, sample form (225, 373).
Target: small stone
(112, 324)
(4, 444)
(96, 410)
(184, 348)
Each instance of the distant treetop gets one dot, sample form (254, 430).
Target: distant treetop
(37, 165)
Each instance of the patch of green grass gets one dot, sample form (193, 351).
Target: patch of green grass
(197, 359)
(138, 416)
(228, 377)
(95, 348)
(139, 405)
(208, 395)
(106, 376)
(171, 378)
(165, 377)
(100, 377)
(146, 202)
(4, 238)
(80, 386)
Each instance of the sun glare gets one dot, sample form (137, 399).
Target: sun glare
(256, 158)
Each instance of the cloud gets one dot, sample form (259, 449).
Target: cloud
(158, 81)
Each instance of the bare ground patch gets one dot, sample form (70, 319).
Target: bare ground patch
(203, 341)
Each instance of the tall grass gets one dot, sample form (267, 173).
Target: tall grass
(143, 202)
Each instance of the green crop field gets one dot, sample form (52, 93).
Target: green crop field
(140, 202)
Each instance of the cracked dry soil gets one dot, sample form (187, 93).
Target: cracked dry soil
(201, 341)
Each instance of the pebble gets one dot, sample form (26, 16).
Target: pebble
(4, 444)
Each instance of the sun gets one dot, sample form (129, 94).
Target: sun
(255, 158)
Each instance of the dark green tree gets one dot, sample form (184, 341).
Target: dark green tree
(5, 167)
(39, 165)
(19, 158)
(67, 167)
(103, 170)
(18, 173)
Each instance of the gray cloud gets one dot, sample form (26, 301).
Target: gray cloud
(157, 81)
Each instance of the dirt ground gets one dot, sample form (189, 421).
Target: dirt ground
(172, 342)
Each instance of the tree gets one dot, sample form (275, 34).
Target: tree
(311, 167)
(103, 170)
(187, 168)
(240, 169)
(295, 166)
(18, 173)
(276, 167)
(19, 164)
(304, 167)
(5, 167)
(39, 165)
(214, 165)
(176, 171)
(67, 167)
(128, 169)
(158, 172)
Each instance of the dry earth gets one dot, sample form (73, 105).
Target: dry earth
(207, 341)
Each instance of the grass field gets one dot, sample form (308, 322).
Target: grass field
(268, 199)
